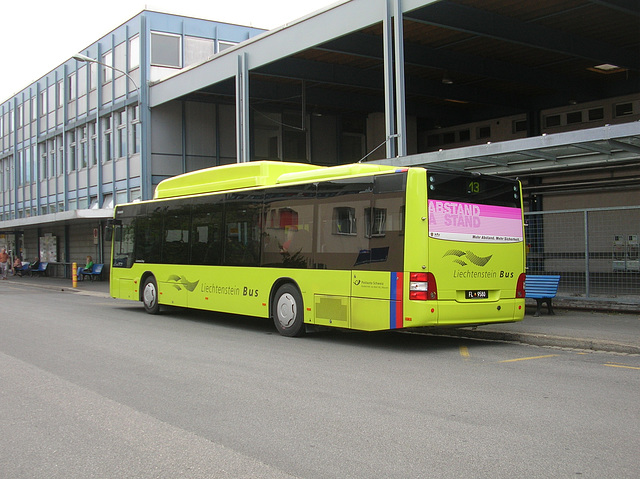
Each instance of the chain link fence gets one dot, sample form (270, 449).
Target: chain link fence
(595, 251)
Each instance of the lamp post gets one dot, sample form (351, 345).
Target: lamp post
(83, 58)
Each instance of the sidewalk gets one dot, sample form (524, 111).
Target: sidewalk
(568, 328)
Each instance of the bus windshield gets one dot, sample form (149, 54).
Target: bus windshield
(474, 208)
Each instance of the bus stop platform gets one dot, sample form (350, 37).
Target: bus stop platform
(570, 327)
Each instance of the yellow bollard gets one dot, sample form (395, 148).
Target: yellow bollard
(74, 274)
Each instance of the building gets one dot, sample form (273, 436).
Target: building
(545, 91)
(75, 142)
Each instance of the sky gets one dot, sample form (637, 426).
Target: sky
(38, 35)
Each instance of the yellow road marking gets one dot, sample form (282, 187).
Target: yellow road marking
(621, 366)
(526, 359)
(464, 352)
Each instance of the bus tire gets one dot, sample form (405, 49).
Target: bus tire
(150, 296)
(288, 311)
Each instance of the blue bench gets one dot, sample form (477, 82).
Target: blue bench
(41, 270)
(96, 272)
(542, 288)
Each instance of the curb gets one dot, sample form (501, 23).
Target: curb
(65, 289)
(540, 340)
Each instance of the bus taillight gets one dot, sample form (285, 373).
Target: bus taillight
(422, 286)
(520, 286)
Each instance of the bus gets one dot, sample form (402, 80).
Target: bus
(359, 246)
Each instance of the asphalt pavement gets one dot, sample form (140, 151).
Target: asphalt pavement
(573, 328)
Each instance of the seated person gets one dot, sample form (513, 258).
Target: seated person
(86, 269)
(34, 264)
(17, 266)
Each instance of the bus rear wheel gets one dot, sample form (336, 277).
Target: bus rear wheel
(150, 296)
(287, 311)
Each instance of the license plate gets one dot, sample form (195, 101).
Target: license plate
(477, 294)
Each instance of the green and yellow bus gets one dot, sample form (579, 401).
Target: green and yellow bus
(361, 246)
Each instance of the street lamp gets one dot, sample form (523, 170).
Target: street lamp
(83, 58)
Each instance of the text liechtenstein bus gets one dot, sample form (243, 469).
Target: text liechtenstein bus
(366, 247)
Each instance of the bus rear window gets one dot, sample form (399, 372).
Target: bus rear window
(476, 189)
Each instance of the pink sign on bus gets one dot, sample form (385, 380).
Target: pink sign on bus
(451, 220)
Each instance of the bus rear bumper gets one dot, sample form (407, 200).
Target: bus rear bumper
(454, 313)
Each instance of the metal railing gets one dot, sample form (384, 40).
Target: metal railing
(594, 250)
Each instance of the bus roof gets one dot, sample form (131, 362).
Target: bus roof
(257, 173)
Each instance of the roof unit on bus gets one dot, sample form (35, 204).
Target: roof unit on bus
(340, 171)
(257, 173)
(228, 177)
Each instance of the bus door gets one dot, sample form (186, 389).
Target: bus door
(377, 277)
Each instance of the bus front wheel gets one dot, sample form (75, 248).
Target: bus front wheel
(150, 296)
(288, 311)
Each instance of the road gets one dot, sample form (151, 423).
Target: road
(96, 388)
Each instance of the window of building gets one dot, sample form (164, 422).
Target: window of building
(121, 197)
(623, 109)
(483, 132)
(60, 94)
(107, 131)
(552, 120)
(83, 148)
(596, 114)
(107, 73)
(135, 194)
(71, 150)
(20, 167)
(27, 165)
(42, 147)
(6, 173)
(574, 117)
(20, 116)
(93, 144)
(72, 85)
(166, 50)
(344, 221)
(375, 221)
(120, 59)
(34, 108)
(134, 112)
(43, 102)
(51, 98)
(81, 80)
(121, 134)
(51, 168)
(519, 126)
(60, 157)
(464, 135)
(93, 76)
(134, 52)
(197, 49)
(107, 201)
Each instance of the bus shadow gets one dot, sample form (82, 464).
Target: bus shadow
(401, 340)
(395, 341)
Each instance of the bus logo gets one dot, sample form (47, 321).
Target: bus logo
(182, 281)
(469, 256)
